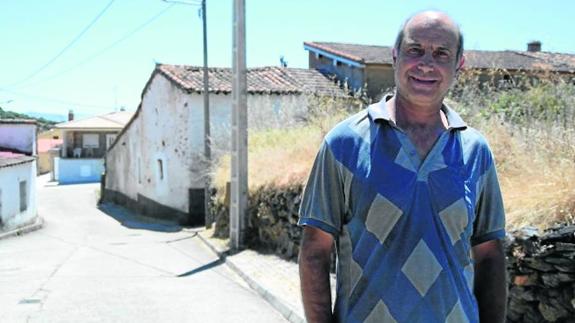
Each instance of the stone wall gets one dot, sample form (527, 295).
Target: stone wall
(272, 220)
(541, 272)
(541, 267)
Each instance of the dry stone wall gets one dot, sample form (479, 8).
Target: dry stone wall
(541, 270)
(541, 266)
(272, 220)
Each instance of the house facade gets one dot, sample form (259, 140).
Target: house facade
(156, 165)
(17, 174)
(371, 66)
(84, 145)
(49, 143)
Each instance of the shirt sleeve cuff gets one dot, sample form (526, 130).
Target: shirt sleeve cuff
(318, 224)
(499, 234)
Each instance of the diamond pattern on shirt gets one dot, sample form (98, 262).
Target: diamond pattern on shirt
(457, 315)
(382, 217)
(469, 273)
(380, 313)
(421, 268)
(355, 274)
(454, 218)
(403, 160)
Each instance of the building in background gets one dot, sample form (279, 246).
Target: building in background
(156, 166)
(84, 145)
(17, 173)
(49, 143)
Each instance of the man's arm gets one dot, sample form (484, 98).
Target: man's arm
(490, 281)
(314, 263)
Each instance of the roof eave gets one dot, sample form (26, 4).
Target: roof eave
(335, 57)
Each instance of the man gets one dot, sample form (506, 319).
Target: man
(409, 194)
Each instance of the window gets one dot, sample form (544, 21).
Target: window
(90, 140)
(161, 169)
(23, 196)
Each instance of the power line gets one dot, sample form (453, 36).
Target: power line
(109, 47)
(56, 100)
(41, 68)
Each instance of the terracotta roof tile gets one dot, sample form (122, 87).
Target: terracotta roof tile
(474, 59)
(10, 158)
(263, 80)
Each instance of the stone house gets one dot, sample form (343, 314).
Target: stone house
(156, 165)
(370, 65)
(84, 146)
(17, 174)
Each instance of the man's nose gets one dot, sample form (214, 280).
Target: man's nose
(426, 63)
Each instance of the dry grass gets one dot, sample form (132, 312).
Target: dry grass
(536, 172)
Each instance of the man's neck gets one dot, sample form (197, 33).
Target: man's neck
(411, 116)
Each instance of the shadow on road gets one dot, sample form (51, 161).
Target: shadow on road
(207, 266)
(134, 221)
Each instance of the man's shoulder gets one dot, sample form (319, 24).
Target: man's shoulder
(473, 138)
(351, 130)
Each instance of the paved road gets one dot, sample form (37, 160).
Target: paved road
(92, 265)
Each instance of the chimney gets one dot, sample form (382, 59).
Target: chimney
(70, 115)
(534, 46)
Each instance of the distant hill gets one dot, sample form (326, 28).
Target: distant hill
(43, 124)
(48, 116)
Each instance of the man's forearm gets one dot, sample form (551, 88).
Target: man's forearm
(315, 287)
(314, 262)
(491, 287)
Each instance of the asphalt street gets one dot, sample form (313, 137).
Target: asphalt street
(90, 264)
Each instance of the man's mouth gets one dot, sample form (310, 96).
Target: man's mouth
(423, 80)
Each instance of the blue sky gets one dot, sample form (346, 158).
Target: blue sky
(107, 67)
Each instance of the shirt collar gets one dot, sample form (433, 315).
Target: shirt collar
(378, 111)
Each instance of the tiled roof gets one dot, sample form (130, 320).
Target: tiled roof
(474, 59)
(10, 158)
(263, 80)
(114, 120)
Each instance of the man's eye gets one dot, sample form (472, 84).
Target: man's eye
(443, 54)
(414, 51)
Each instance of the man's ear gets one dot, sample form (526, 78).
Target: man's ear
(460, 63)
(394, 56)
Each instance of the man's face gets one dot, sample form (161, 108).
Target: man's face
(426, 62)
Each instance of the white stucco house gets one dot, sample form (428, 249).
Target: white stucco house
(155, 165)
(17, 174)
(85, 143)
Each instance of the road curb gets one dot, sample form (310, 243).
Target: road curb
(37, 225)
(285, 310)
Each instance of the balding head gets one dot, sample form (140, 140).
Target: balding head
(430, 19)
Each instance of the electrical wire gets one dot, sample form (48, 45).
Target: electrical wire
(72, 43)
(60, 101)
(109, 47)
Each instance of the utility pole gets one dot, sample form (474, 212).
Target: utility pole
(207, 137)
(239, 176)
(206, 95)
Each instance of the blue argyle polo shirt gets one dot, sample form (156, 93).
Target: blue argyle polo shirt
(404, 227)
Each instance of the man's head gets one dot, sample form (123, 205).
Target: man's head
(427, 54)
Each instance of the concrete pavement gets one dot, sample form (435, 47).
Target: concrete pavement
(106, 265)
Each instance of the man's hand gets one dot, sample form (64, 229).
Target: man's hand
(314, 262)
(490, 281)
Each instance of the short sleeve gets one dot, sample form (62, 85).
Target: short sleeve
(323, 203)
(489, 212)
